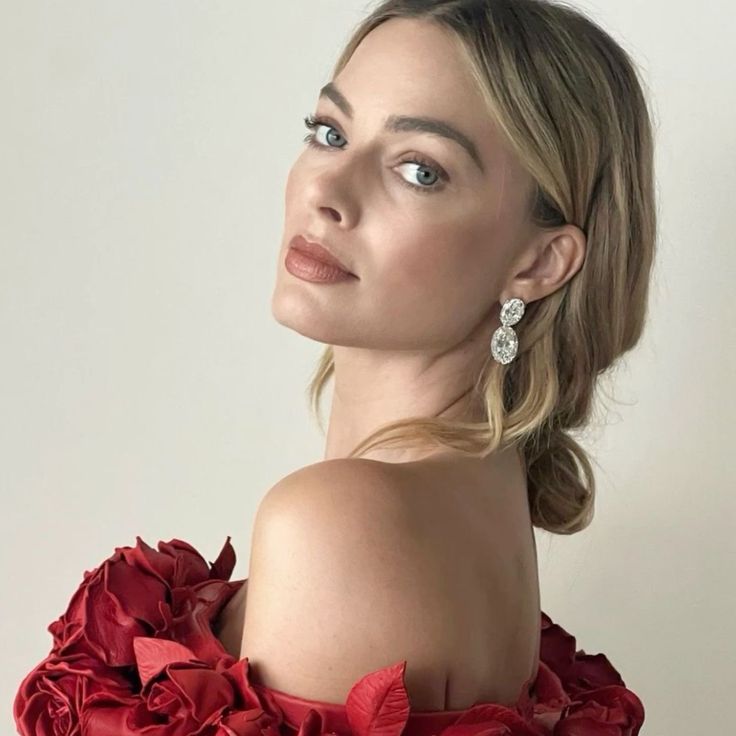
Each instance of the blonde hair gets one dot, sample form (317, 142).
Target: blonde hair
(570, 103)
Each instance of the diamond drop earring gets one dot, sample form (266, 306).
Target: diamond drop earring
(504, 342)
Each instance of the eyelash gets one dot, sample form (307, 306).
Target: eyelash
(312, 122)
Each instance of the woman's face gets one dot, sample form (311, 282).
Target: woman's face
(431, 243)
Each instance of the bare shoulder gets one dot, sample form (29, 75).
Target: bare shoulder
(338, 584)
(335, 494)
(357, 564)
(332, 528)
(335, 516)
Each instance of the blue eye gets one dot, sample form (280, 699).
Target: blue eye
(313, 123)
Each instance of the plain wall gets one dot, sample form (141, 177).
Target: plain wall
(145, 388)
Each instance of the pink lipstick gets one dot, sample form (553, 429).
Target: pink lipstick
(312, 262)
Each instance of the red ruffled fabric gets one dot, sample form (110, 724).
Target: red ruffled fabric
(135, 654)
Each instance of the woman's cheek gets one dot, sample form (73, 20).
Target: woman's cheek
(417, 269)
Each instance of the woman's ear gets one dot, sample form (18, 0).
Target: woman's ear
(552, 258)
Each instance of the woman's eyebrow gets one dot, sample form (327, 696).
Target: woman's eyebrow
(402, 123)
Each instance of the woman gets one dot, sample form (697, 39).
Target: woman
(470, 231)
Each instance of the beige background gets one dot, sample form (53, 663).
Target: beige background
(145, 388)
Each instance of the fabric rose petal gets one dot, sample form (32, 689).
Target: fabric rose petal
(54, 697)
(181, 696)
(608, 711)
(91, 679)
(581, 694)
(378, 704)
(138, 591)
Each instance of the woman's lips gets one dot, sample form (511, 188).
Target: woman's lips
(318, 252)
(304, 266)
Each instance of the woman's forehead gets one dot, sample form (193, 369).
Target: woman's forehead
(413, 60)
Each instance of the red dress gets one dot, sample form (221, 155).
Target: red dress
(135, 654)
